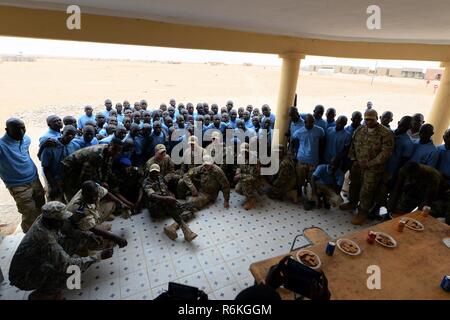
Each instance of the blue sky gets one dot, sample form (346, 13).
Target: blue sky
(57, 48)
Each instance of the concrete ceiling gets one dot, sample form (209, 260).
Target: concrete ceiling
(405, 21)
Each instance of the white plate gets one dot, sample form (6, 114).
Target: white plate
(311, 253)
(386, 235)
(446, 242)
(409, 227)
(338, 244)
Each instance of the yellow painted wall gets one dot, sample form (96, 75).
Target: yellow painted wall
(47, 24)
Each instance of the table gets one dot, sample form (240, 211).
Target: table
(412, 270)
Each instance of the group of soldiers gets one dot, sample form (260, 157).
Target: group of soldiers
(175, 161)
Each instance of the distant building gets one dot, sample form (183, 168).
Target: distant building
(433, 74)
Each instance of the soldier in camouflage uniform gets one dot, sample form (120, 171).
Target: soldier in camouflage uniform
(247, 176)
(166, 165)
(204, 183)
(90, 163)
(40, 262)
(160, 202)
(285, 182)
(371, 147)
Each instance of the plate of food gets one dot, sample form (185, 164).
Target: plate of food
(385, 240)
(309, 259)
(348, 246)
(413, 224)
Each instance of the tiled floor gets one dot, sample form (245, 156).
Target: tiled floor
(217, 261)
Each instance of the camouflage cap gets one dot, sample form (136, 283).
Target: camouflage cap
(192, 140)
(55, 210)
(215, 135)
(155, 167)
(160, 148)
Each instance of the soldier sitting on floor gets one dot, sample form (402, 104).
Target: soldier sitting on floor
(285, 183)
(161, 202)
(247, 176)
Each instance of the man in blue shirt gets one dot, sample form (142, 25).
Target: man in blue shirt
(100, 121)
(88, 116)
(444, 156)
(108, 108)
(425, 151)
(356, 122)
(157, 137)
(403, 147)
(88, 139)
(265, 109)
(296, 121)
(233, 119)
(326, 184)
(337, 140)
(218, 125)
(331, 114)
(308, 138)
(386, 119)
(248, 121)
(242, 133)
(51, 162)
(119, 133)
(55, 125)
(318, 114)
(120, 116)
(19, 173)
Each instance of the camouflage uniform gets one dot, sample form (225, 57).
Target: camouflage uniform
(29, 199)
(375, 147)
(286, 179)
(179, 212)
(168, 172)
(40, 261)
(192, 159)
(90, 163)
(430, 189)
(208, 184)
(93, 214)
(249, 179)
(127, 185)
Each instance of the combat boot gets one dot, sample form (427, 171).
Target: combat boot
(347, 206)
(189, 235)
(249, 204)
(171, 231)
(293, 196)
(359, 219)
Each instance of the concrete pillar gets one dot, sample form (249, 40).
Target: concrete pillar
(286, 93)
(439, 115)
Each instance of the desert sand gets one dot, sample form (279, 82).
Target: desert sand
(33, 90)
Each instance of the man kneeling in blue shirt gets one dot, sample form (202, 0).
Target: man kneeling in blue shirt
(326, 184)
(19, 173)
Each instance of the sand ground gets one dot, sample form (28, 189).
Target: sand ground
(33, 90)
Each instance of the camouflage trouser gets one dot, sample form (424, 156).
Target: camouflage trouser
(29, 200)
(303, 171)
(363, 186)
(281, 188)
(332, 197)
(202, 200)
(180, 212)
(246, 187)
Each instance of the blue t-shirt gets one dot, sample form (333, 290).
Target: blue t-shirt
(425, 154)
(335, 143)
(404, 148)
(83, 144)
(240, 135)
(50, 134)
(296, 125)
(222, 128)
(52, 157)
(350, 129)
(308, 151)
(444, 161)
(106, 114)
(249, 124)
(324, 175)
(155, 140)
(331, 124)
(107, 140)
(16, 166)
(83, 119)
(232, 124)
(272, 120)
